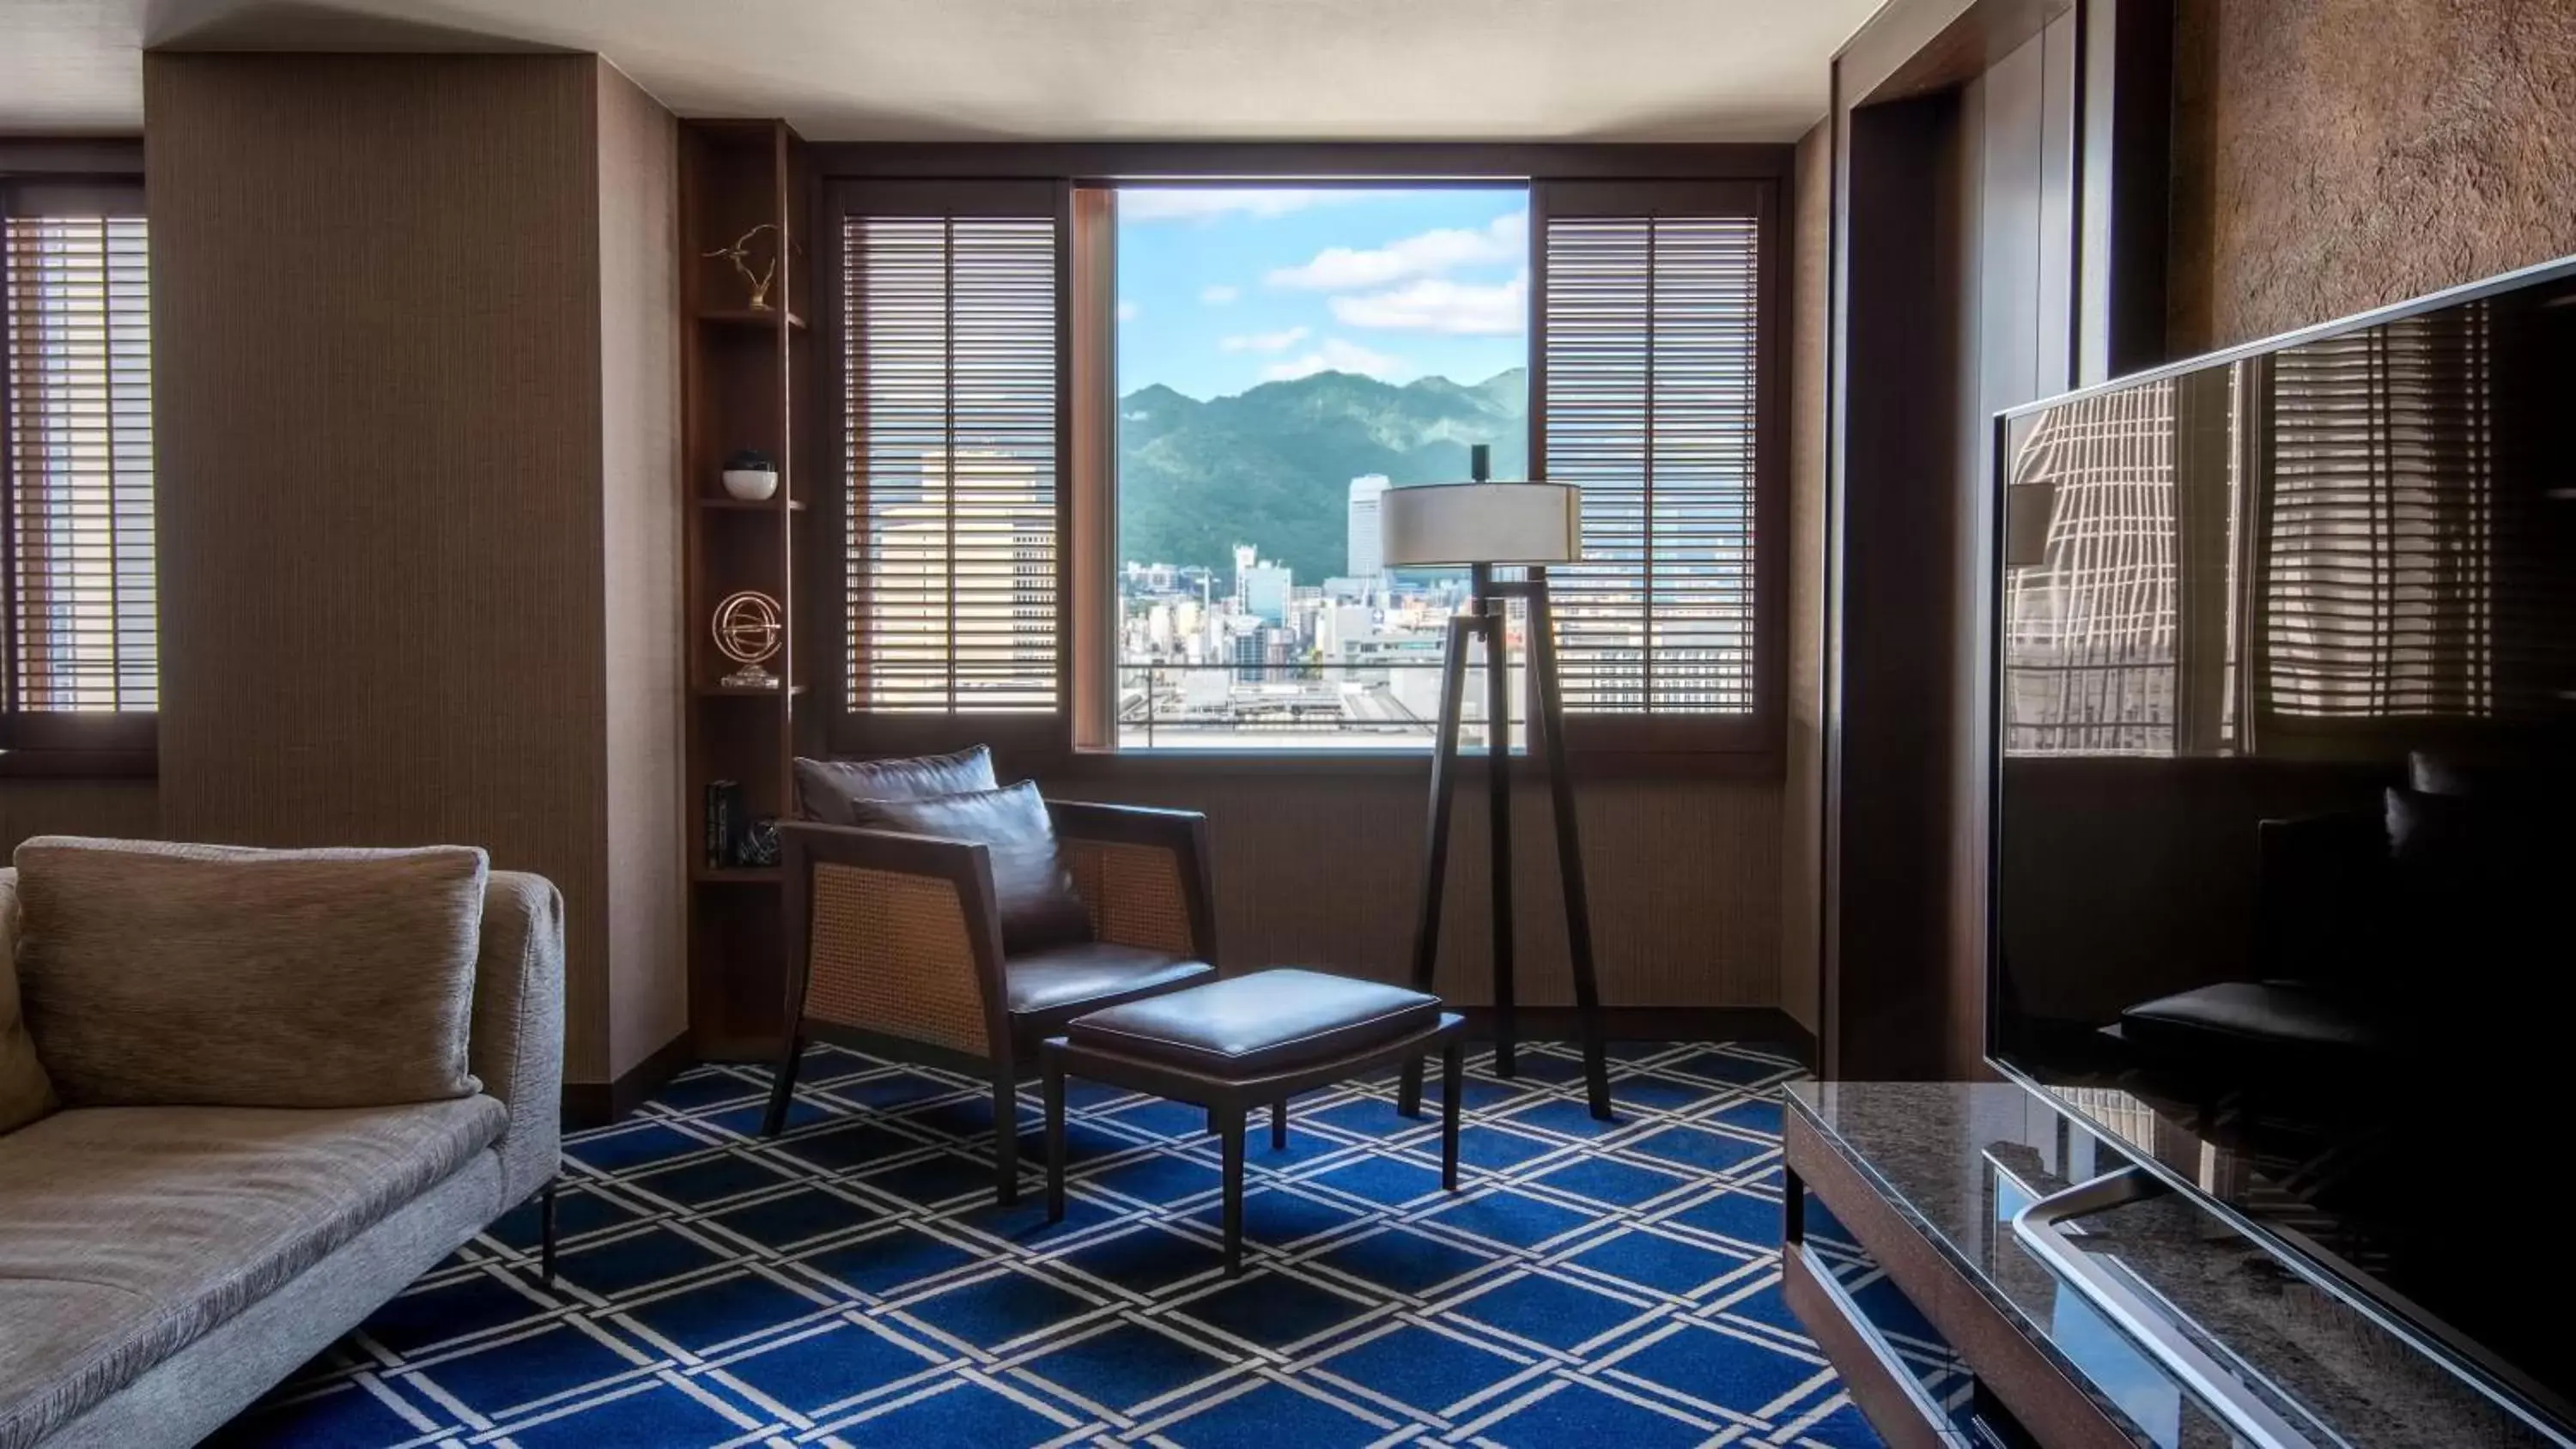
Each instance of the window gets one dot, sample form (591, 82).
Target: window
(1284, 356)
(1652, 403)
(951, 419)
(82, 672)
(1115, 454)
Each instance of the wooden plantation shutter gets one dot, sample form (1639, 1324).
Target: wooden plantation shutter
(82, 671)
(953, 411)
(1654, 397)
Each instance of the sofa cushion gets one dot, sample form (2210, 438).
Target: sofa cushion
(26, 1093)
(1032, 886)
(189, 975)
(825, 789)
(127, 1233)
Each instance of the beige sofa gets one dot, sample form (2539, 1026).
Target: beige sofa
(162, 1265)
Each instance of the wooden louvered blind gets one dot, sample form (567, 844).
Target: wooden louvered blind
(79, 572)
(1650, 399)
(952, 412)
(2379, 525)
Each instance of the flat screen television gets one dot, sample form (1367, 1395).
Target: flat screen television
(2284, 861)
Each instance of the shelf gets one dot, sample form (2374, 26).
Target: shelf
(718, 691)
(739, 875)
(745, 317)
(749, 505)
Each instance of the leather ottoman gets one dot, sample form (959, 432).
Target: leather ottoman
(1230, 1046)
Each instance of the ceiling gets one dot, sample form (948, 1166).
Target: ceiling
(1640, 70)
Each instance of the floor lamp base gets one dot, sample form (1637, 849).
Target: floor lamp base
(1486, 624)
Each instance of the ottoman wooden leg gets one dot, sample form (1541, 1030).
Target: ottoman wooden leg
(1231, 1129)
(1452, 1063)
(1054, 1134)
(1279, 1125)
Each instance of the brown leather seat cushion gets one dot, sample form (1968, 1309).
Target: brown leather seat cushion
(1092, 973)
(1252, 1026)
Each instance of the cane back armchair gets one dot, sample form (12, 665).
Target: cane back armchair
(894, 935)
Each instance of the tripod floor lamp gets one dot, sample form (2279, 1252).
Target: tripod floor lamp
(1483, 524)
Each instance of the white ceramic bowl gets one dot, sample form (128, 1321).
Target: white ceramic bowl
(751, 484)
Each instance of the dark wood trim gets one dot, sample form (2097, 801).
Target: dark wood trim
(2036, 1392)
(71, 156)
(1915, 47)
(45, 764)
(1879, 1386)
(2125, 181)
(1338, 161)
(598, 1104)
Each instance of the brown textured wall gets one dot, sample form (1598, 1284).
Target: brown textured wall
(1802, 806)
(2333, 156)
(129, 808)
(377, 331)
(639, 308)
(1684, 878)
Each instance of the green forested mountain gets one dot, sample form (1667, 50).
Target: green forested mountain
(1273, 466)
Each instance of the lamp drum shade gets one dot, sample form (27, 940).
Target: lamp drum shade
(1442, 525)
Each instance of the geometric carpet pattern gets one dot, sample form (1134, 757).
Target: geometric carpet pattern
(853, 1283)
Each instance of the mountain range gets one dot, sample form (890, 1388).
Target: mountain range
(1272, 466)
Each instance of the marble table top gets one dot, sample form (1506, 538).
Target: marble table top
(1961, 1158)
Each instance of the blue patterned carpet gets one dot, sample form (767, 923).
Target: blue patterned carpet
(852, 1283)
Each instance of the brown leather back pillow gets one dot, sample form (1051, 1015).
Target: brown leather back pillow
(1031, 886)
(825, 789)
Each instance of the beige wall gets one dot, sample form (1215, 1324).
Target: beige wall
(2331, 157)
(1802, 809)
(639, 349)
(1683, 875)
(387, 491)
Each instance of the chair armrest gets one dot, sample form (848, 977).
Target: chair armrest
(1145, 872)
(894, 933)
(515, 1041)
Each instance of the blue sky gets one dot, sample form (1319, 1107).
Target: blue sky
(1223, 288)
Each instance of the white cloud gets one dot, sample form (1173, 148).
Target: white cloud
(1336, 355)
(1218, 296)
(1264, 341)
(1206, 203)
(1129, 311)
(1437, 304)
(1342, 269)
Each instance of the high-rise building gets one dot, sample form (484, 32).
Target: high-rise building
(1244, 556)
(1367, 548)
(1265, 591)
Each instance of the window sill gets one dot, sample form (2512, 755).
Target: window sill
(1752, 765)
(79, 765)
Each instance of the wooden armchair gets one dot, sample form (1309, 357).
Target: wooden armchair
(897, 935)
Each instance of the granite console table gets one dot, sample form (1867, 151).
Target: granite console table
(2137, 1317)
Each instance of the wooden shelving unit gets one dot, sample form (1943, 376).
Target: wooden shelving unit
(748, 382)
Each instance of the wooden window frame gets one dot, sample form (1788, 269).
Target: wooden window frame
(1755, 175)
(48, 743)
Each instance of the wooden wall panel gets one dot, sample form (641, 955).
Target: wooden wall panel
(377, 318)
(1684, 877)
(641, 502)
(2332, 157)
(1802, 804)
(127, 808)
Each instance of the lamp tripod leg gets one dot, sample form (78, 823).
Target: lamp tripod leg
(1435, 874)
(1569, 848)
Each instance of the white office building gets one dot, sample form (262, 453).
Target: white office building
(1368, 550)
